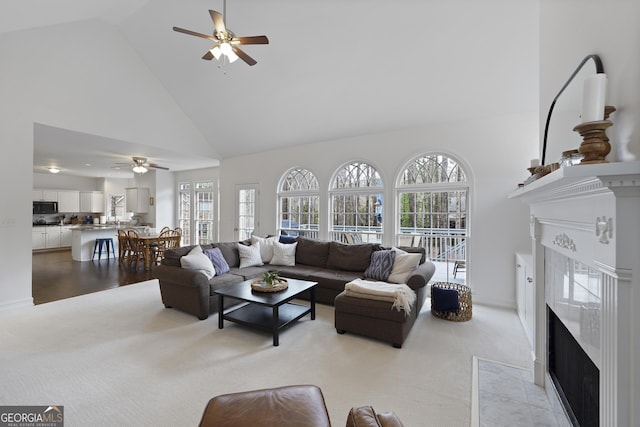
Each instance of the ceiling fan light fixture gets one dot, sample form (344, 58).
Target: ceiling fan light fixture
(226, 48)
(232, 57)
(54, 169)
(139, 169)
(216, 52)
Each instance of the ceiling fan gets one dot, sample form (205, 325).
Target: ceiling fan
(140, 165)
(227, 43)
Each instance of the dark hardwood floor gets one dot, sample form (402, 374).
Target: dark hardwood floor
(55, 276)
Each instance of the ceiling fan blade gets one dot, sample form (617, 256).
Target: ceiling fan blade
(193, 33)
(218, 21)
(241, 53)
(208, 56)
(153, 165)
(251, 40)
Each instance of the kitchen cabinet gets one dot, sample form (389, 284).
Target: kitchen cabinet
(92, 201)
(65, 236)
(45, 196)
(51, 236)
(525, 293)
(68, 201)
(39, 237)
(138, 200)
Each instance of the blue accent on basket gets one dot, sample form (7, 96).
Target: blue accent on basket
(445, 299)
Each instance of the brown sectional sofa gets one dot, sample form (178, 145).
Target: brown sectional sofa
(331, 264)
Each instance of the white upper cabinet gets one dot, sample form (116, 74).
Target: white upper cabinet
(68, 201)
(45, 196)
(92, 201)
(138, 200)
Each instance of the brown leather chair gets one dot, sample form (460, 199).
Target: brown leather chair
(288, 406)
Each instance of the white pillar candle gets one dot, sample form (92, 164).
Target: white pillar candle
(534, 163)
(593, 97)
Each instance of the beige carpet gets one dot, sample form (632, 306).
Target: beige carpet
(118, 357)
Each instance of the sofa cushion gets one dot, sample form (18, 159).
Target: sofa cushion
(230, 252)
(284, 254)
(403, 265)
(249, 255)
(349, 257)
(172, 256)
(197, 260)
(381, 265)
(312, 252)
(218, 261)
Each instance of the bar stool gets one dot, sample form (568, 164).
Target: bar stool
(107, 243)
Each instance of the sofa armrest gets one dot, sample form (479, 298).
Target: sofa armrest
(421, 275)
(366, 416)
(181, 277)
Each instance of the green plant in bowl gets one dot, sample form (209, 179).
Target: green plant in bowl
(271, 278)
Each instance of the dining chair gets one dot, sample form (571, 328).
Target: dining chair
(136, 250)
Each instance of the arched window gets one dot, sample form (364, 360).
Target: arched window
(356, 204)
(433, 194)
(298, 202)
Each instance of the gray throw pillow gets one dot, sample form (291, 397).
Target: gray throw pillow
(381, 265)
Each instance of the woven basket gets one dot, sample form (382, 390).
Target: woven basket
(464, 298)
(260, 286)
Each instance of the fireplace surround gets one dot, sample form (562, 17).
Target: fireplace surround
(585, 233)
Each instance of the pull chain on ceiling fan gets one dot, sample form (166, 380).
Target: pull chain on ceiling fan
(227, 43)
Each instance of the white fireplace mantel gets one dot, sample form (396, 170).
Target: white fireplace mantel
(591, 213)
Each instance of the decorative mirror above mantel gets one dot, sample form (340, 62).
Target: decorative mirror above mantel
(564, 112)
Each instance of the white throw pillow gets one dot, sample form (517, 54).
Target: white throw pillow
(197, 260)
(403, 265)
(266, 246)
(249, 255)
(284, 254)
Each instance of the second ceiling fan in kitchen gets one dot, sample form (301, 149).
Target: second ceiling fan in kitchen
(140, 165)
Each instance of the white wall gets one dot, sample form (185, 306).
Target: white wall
(573, 29)
(496, 152)
(81, 76)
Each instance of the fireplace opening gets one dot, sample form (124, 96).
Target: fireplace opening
(575, 376)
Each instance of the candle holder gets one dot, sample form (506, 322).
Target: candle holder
(595, 143)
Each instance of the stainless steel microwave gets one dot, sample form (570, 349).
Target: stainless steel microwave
(45, 207)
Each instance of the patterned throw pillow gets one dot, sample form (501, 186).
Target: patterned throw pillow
(381, 265)
(284, 254)
(218, 261)
(249, 255)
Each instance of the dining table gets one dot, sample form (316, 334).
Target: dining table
(151, 243)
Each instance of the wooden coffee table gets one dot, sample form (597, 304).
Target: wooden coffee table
(270, 311)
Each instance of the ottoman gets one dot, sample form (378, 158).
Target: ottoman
(288, 406)
(374, 319)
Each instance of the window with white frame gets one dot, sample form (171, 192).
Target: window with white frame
(298, 203)
(433, 195)
(184, 211)
(204, 212)
(356, 204)
(197, 212)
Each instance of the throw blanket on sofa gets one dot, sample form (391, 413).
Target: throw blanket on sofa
(401, 295)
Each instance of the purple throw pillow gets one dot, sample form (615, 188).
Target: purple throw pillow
(218, 261)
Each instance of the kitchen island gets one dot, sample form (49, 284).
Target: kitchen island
(83, 239)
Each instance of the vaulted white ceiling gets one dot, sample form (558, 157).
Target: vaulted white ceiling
(333, 68)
